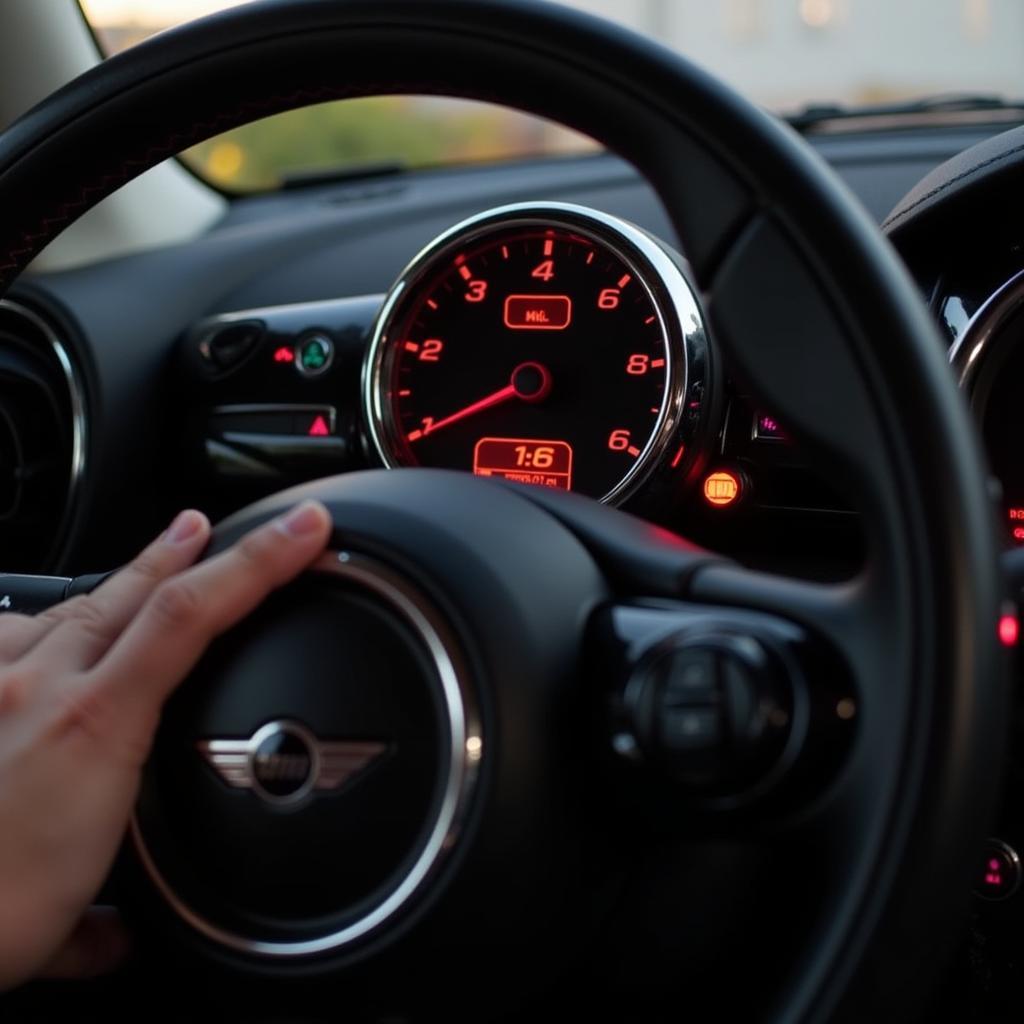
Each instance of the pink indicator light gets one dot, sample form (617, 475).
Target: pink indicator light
(768, 428)
(994, 865)
(284, 355)
(319, 428)
(993, 878)
(1009, 630)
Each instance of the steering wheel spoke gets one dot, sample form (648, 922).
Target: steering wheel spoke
(848, 617)
(718, 709)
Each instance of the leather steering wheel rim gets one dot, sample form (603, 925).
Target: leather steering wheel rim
(804, 296)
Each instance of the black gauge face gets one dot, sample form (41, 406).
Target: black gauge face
(534, 352)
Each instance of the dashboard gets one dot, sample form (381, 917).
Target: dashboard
(533, 322)
(545, 343)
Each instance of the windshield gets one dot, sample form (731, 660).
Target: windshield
(787, 55)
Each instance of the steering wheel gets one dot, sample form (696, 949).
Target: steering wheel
(470, 750)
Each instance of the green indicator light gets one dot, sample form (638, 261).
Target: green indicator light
(314, 355)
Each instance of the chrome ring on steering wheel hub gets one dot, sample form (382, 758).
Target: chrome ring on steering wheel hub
(332, 760)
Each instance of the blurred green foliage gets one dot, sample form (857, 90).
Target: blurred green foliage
(414, 131)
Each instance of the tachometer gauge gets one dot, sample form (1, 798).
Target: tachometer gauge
(546, 344)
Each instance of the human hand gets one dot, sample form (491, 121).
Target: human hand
(81, 689)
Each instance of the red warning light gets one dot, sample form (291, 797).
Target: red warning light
(722, 488)
(284, 355)
(319, 428)
(999, 873)
(538, 312)
(994, 876)
(1009, 630)
(1016, 517)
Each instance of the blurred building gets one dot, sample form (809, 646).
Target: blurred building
(781, 53)
(784, 53)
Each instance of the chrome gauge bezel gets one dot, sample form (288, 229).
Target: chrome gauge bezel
(979, 344)
(657, 268)
(980, 359)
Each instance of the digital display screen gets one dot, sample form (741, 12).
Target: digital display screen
(538, 312)
(543, 463)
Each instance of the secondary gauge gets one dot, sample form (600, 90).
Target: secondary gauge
(545, 344)
(988, 359)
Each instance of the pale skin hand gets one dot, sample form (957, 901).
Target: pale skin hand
(81, 688)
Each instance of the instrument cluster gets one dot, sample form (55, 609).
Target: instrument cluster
(545, 344)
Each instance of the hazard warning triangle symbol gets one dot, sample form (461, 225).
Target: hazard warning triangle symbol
(319, 428)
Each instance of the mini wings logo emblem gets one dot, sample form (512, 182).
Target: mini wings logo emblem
(283, 761)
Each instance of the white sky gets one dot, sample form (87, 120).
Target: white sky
(774, 51)
(151, 12)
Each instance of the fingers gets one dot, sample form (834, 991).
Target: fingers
(99, 944)
(183, 614)
(18, 633)
(77, 632)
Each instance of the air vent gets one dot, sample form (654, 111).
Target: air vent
(42, 440)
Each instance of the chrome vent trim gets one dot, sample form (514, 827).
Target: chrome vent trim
(73, 397)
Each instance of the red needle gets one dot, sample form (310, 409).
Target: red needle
(531, 382)
(503, 395)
